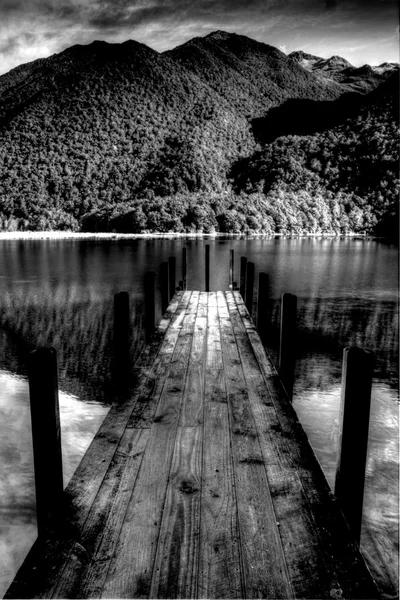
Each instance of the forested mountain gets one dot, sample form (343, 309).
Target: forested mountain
(120, 137)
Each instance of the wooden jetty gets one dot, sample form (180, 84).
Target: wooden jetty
(200, 484)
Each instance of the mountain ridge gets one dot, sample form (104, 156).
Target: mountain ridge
(103, 127)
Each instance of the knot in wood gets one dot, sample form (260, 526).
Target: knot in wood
(188, 488)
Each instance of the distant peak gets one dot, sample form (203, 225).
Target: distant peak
(219, 35)
(301, 55)
(338, 60)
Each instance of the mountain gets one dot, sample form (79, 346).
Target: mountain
(250, 75)
(360, 79)
(346, 177)
(119, 136)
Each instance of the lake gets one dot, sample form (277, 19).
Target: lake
(60, 293)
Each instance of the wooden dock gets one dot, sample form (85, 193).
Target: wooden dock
(200, 484)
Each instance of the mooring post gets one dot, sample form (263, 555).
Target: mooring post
(242, 281)
(231, 268)
(184, 267)
(250, 287)
(149, 303)
(164, 275)
(353, 435)
(262, 303)
(287, 344)
(172, 276)
(121, 332)
(46, 432)
(207, 258)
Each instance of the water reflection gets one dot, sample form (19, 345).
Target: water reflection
(60, 293)
(79, 422)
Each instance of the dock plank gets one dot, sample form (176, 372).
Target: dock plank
(200, 483)
(308, 570)
(220, 566)
(265, 570)
(175, 568)
(130, 569)
(350, 577)
(42, 568)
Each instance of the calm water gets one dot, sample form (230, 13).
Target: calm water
(60, 293)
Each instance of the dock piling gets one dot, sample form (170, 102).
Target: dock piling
(172, 276)
(250, 287)
(164, 273)
(149, 303)
(121, 332)
(262, 304)
(353, 434)
(184, 267)
(231, 268)
(207, 259)
(287, 342)
(46, 432)
(242, 281)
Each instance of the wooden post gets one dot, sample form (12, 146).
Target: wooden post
(121, 331)
(149, 303)
(262, 304)
(353, 435)
(250, 287)
(164, 286)
(207, 257)
(242, 281)
(46, 432)
(184, 267)
(172, 276)
(287, 345)
(231, 268)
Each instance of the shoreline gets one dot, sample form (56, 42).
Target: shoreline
(73, 235)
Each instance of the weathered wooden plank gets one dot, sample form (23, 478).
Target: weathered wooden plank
(265, 571)
(130, 570)
(144, 410)
(214, 351)
(334, 539)
(171, 317)
(192, 406)
(84, 573)
(44, 564)
(175, 569)
(309, 572)
(220, 566)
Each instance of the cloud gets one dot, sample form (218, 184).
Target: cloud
(38, 28)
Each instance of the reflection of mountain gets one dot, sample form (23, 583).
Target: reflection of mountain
(78, 323)
(327, 325)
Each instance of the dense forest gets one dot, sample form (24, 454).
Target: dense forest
(117, 137)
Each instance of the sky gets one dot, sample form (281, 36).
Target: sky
(362, 31)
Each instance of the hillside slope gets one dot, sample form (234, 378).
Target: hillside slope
(118, 136)
(109, 122)
(250, 75)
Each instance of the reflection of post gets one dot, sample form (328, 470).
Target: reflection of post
(172, 276)
(164, 287)
(262, 304)
(242, 282)
(207, 258)
(121, 332)
(250, 287)
(149, 303)
(46, 432)
(231, 268)
(287, 345)
(184, 267)
(353, 435)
